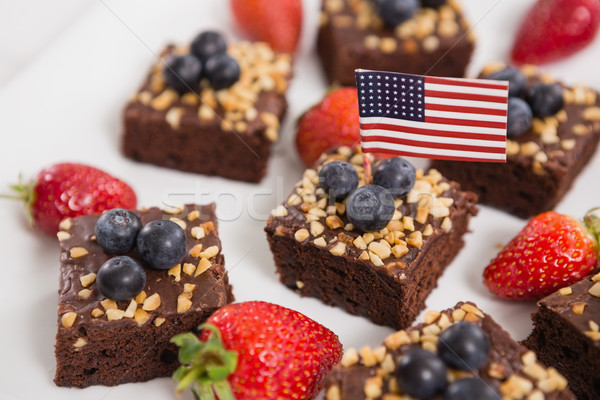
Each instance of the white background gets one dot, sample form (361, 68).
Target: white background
(67, 68)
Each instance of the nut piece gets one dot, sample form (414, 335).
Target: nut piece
(84, 293)
(301, 235)
(79, 343)
(198, 232)
(77, 252)
(184, 302)
(114, 314)
(96, 312)
(595, 290)
(203, 265)
(87, 280)
(188, 268)
(350, 357)
(152, 302)
(62, 235)
(109, 304)
(159, 321)
(175, 272)
(68, 319)
(141, 317)
(339, 249)
(210, 252)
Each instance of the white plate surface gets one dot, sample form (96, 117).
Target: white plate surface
(66, 106)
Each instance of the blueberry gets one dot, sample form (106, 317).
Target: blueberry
(370, 208)
(183, 73)
(121, 278)
(432, 3)
(116, 230)
(519, 117)
(395, 174)
(394, 12)
(208, 44)
(545, 99)
(162, 244)
(222, 71)
(421, 374)
(338, 178)
(463, 346)
(516, 80)
(471, 389)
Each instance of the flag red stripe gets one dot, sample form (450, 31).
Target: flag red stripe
(432, 145)
(467, 122)
(463, 109)
(456, 82)
(464, 96)
(435, 156)
(422, 131)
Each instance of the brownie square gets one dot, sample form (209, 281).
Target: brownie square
(100, 341)
(542, 164)
(385, 276)
(566, 335)
(228, 132)
(510, 367)
(432, 42)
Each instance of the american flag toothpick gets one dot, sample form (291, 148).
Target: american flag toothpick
(431, 117)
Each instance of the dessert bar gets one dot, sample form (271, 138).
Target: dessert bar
(460, 353)
(384, 274)
(432, 40)
(566, 335)
(107, 342)
(197, 127)
(544, 160)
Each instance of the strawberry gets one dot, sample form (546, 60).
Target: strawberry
(256, 350)
(552, 251)
(275, 22)
(555, 29)
(332, 122)
(69, 190)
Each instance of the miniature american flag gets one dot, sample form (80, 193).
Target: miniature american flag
(430, 117)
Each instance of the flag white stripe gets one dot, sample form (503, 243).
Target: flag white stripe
(465, 89)
(433, 127)
(426, 151)
(462, 115)
(431, 138)
(465, 103)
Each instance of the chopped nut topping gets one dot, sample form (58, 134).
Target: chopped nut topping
(375, 259)
(497, 371)
(65, 224)
(431, 316)
(96, 312)
(580, 129)
(159, 321)
(578, 307)
(130, 311)
(512, 148)
(203, 266)
(184, 302)
(350, 357)
(415, 239)
(428, 231)
(299, 284)
(198, 232)
(210, 252)
(68, 319)
(446, 224)
(448, 28)
(189, 268)
(333, 393)
(367, 356)
(388, 45)
(279, 211)
(62, 235)
(338, 249)
(141, 317)
(408, 223)
(567, 144)
(373, 386)
(151, 303)
(334, 222)
(320, 241)
(174, 210)
(141, 297)
(301, 235)
(472, 309)
(175, 272)
(79, 343)
(397, 339)
(595, 290)
(372, 42)
(109, 304)
(316, 228)
(565, 291)
(193, 215)
(516, 387)
(164, 100)
(399, 250)
(591, 114)
(114, 314)
(173, 117)
(77, 252)
(84, 293)
(380, 250)
(87, 280)
(529, 148)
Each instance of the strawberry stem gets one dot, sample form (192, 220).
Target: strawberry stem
(205, 366)
(592, 223)
(24, 192)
